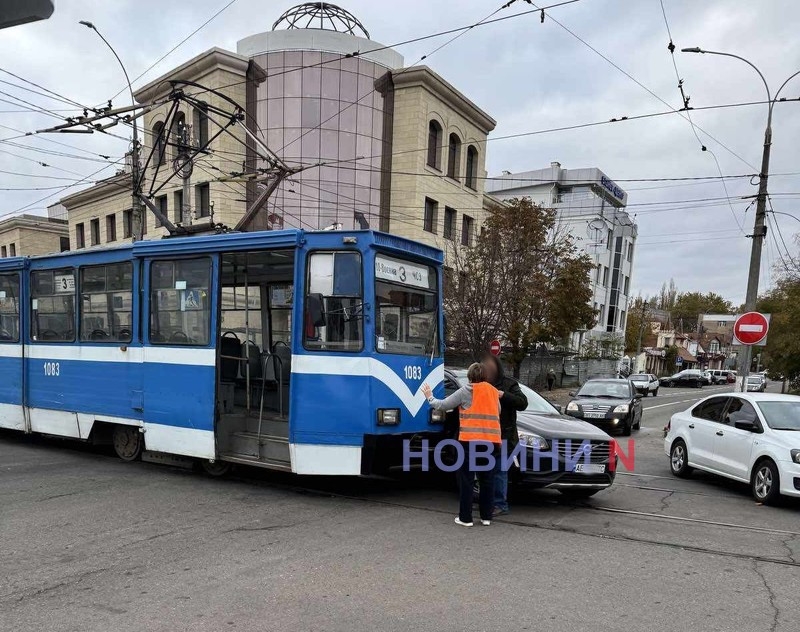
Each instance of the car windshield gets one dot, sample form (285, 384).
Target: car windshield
(781, 415)
(536, 403)
(640, 377)
(618, 389)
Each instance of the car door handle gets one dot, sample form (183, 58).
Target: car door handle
(719, 433)
(691, 425)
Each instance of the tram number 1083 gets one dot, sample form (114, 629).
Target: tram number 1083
(413, 372)
(52, 369)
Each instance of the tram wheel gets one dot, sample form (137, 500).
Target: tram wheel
(215, 468)
(128, 442)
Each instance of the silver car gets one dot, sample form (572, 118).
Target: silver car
(645, 383)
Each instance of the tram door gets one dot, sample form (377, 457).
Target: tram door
(12, 414)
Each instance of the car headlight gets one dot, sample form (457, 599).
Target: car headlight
(572, 407)
(796, 456)
(622, 408)
(533, 441)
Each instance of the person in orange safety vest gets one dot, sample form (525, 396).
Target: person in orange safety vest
(478, 405)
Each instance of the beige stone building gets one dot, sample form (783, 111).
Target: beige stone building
(438, 157)
(25, 235)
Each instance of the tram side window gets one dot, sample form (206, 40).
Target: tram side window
(334, 314)
(180, 305)
(9, 307)
(107, 303)
(53, 305)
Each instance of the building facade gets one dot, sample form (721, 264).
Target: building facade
(592, 208)
(25, 235)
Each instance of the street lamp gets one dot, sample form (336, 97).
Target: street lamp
(136, 214)
(760, 227)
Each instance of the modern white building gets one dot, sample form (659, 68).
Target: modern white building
(591, 207)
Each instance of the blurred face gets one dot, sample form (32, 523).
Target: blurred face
(490, 369)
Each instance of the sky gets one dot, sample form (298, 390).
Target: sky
(528, 75)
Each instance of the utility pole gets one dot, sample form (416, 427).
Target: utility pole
(760, 227)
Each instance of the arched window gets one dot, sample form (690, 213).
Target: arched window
(159, 144)
(200, 124)
(472, 168)
(176, 134)
(435, 145)
(453, 156)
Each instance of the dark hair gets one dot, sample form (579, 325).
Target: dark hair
(475, 373)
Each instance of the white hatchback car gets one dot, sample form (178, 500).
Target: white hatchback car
(749, 437)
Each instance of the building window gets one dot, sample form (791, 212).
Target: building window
(202, 200)
(177, 199)
(106, 303)
(3, 252)
(94, 227)
(449, 222)
(80, 236)
(431, 212)
(159, 145)
(626, 286)
(601, 316)
(111, 227)
(127, 224)
(200, 124)
(435, 145)
(12, 249)
(471, 177)
(176, 136)
(467, 230)
(622, 320)
(597, 272)
(714, 347)
(605, 275)
(161, 205)
(453, 156)
(9, 307)
(63, 243)
(630, 251)
(610, 236)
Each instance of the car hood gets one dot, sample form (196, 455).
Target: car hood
(642, 382)
(559, 427)
(602, 401)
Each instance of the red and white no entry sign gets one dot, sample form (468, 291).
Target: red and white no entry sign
(751, 328)
(494, 348)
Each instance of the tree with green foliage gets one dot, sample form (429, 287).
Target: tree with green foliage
(523, 280)
(782, 353)
(689, 305)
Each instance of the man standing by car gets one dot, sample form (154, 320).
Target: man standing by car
(512, 400)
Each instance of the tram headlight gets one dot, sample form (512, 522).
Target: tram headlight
(437, 416)
(388, 416)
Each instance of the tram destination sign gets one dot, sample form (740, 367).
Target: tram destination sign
(397, 271)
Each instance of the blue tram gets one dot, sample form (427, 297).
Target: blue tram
(292, 350)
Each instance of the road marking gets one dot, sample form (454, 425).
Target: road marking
(683, 401)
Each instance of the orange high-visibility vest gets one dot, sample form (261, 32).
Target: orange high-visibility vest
(481, 421)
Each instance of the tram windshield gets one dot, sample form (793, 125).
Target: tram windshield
(407, 307)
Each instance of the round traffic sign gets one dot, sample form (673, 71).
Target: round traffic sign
(494, 348)
(751, 328)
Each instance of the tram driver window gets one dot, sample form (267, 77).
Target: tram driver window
(9, 307)
(106, 303)
(334, 302)
(53, 305)
(180, 302)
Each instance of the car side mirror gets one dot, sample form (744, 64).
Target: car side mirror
(559, 408)
(572, 393)
(638, 396)
(747, 425)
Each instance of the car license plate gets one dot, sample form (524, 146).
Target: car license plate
(591, 468)
(594, 415)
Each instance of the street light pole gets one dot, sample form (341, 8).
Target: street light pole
(760, 226)
(136, 210)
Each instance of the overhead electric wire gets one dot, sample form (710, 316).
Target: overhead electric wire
(671, 49)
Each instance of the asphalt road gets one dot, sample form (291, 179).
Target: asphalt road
(92, 543)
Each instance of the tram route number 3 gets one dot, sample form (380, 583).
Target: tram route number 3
(413, 372)
(52, 369)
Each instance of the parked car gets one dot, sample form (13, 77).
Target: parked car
(688, 377)
(719, 376)
(645, 383)
(749, 437)
(612, 404)
(707, 377)
(543, 427)
(756, 383)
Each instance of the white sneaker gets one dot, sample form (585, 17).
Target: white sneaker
(463, 524)
(486, 523)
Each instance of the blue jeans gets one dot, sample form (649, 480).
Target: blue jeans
(500, 487)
